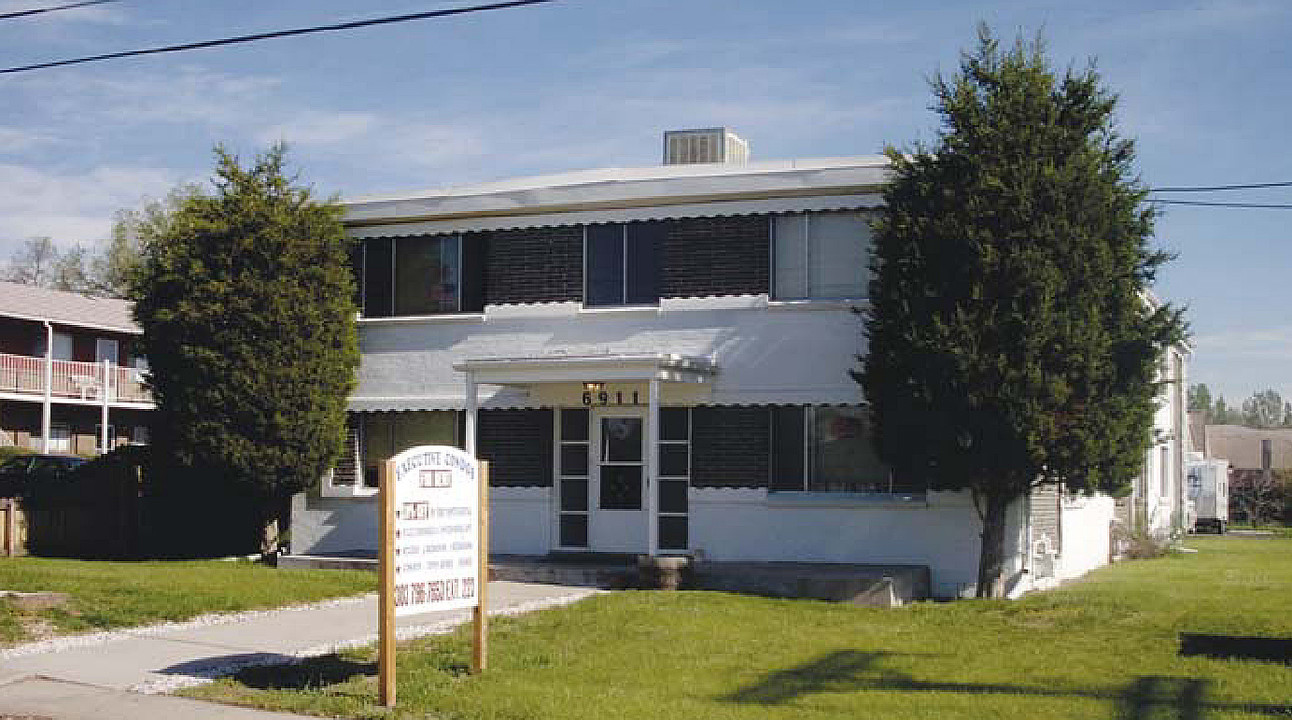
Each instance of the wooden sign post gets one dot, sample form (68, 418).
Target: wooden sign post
(434, 546)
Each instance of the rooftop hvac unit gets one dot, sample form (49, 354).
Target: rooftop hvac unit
(704, 145)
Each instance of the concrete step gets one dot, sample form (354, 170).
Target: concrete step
(867, 585)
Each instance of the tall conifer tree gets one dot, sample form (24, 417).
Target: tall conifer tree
(1012, 341)
(246, 303)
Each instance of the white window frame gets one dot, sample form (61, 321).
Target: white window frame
(805, 252)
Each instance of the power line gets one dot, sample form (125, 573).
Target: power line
(1266, 206)
(1215, 188)
(278, 34)
(37, 11)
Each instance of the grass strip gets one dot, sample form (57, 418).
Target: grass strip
(1106, 646)
(105, 595)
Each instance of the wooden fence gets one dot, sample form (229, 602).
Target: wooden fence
(102, 520)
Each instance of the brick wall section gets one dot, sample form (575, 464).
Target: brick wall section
(716, 256)
(532, 265)
(518, 446)
(730, 446)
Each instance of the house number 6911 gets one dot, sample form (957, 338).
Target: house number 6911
(605, 397)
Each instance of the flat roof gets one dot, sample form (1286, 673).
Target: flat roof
(614, 188)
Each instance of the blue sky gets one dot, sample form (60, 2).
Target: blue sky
(1206, 89)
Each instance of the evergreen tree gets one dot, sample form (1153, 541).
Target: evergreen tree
(245, 299)
(1011, 338)
(1200, 397)
(1221, 414)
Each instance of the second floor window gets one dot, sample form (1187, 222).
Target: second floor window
(621, 263)
(420, 275)
(427, 275)
(820, 255)
(63, 345)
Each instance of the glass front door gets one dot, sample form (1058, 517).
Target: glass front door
(618, 521)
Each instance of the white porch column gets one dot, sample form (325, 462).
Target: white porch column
(45, 409)
(652, 469)
(472, 409)
(103, 426)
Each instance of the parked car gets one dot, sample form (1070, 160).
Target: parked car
(18, 474)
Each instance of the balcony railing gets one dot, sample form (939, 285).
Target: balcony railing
(70, 379)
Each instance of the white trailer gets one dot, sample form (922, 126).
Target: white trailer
(1209, 490)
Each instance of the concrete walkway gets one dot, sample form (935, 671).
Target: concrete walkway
(118, 675)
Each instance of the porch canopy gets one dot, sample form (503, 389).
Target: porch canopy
(650, 368)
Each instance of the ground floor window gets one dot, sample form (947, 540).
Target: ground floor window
(384, 435)
(60, 438)
(829, 449)
(373, 438)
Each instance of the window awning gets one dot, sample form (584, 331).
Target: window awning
(495, 398)
(589, 368)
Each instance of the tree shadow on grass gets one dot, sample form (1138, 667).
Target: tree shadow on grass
(311, 673)
(853, 671)
(1237, 647)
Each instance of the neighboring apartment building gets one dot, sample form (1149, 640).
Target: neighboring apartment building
(655, 361)
(70, 381)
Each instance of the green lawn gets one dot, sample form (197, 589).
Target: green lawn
(116, 594)
(1105, 647)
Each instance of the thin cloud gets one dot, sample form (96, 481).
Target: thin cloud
(72, 207)
(183, 95)
(1266, 343)
(17, 140)
(316, 127)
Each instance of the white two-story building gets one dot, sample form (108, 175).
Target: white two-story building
(655, 361)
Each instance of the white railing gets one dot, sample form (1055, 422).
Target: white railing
(83, 380)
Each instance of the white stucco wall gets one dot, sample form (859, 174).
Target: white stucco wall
(520, 523)
(1087, 524)
(322, 526)
(942, 533)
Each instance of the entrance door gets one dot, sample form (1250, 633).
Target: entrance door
(618, 521)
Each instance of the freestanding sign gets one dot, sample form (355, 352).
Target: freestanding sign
(434, 532)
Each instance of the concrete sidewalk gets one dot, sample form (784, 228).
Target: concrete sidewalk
(118, 674)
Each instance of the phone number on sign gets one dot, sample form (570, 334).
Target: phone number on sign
(419, 593)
